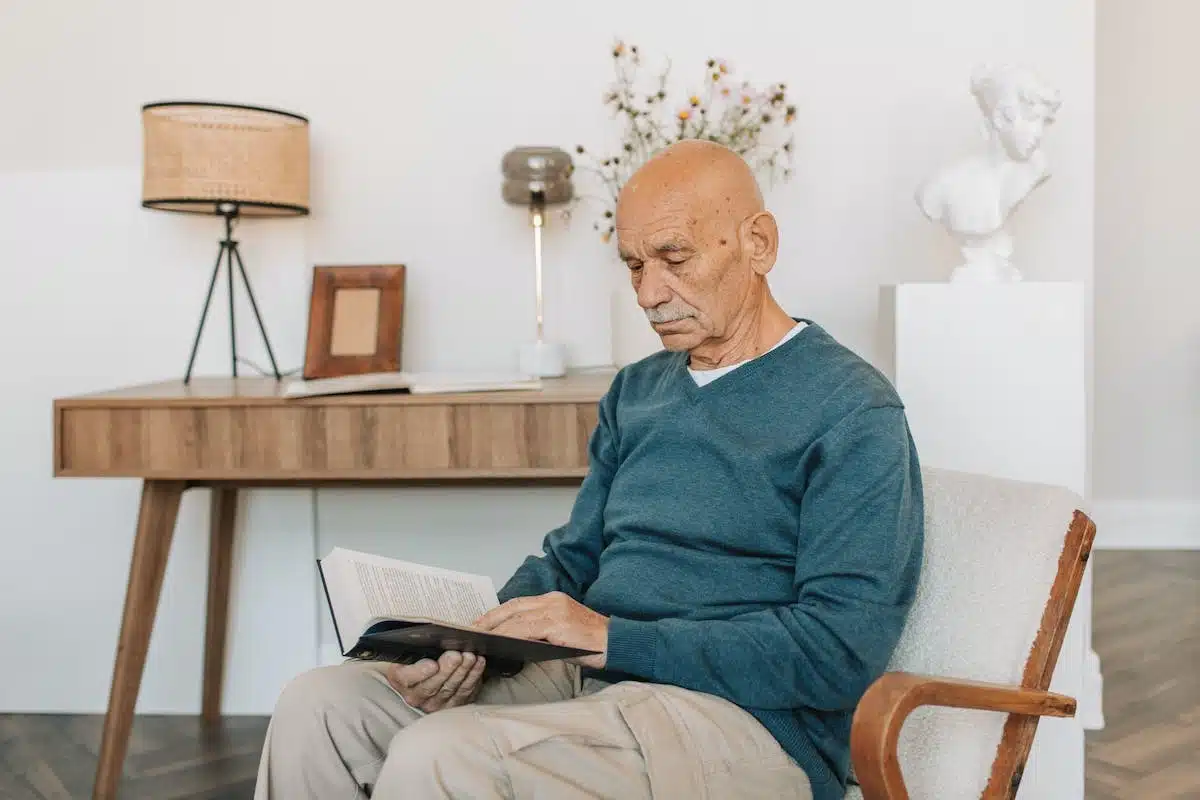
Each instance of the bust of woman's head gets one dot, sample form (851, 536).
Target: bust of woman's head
(1017, 106)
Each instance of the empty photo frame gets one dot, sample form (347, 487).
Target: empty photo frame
(355, 320)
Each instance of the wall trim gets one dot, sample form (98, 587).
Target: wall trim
(1091, 697)
(1146, 525)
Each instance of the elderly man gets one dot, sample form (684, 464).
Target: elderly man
(742, 555)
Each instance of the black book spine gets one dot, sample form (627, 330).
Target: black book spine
(329, 603)
(374, 650)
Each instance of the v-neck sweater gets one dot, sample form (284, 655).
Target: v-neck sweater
(758, 538)
(703, 377)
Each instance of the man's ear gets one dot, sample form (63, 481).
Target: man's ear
(762, 241)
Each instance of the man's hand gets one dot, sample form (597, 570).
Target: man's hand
(554, 618)
(452, 680)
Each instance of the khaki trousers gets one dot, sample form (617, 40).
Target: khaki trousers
(342, 732)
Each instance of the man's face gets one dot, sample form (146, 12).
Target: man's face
(687, 267)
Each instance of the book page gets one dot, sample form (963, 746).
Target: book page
(398, 592)
(412, 382)
(347, 384)
(363, 586)
(456, 382)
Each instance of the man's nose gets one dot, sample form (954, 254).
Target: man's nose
(652, 290)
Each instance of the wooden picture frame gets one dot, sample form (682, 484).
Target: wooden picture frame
(355, 320)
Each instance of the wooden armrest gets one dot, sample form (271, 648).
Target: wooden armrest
(887, 703)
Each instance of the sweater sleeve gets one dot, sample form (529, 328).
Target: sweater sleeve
(570, 556)
(861, 531)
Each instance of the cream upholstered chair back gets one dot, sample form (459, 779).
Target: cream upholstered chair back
(992, 556)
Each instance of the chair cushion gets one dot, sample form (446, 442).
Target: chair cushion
(991, 554)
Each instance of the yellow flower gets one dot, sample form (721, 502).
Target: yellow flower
(604, 237)
(685, 114)
(694, 101)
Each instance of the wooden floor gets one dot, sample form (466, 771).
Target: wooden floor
(1146, 631)
(50, 756)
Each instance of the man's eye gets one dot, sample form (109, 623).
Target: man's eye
(634, 266)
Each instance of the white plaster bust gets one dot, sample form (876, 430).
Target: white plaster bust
(974, 197)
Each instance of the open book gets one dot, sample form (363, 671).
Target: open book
(411, 382)
(386, 609)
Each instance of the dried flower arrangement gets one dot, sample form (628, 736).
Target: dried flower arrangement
(749, 121)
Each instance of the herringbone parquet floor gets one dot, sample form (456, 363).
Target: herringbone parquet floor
(53, 757)
(1146, 631)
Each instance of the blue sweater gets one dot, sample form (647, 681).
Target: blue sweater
(758, 538)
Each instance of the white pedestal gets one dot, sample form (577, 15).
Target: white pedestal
(993, 379)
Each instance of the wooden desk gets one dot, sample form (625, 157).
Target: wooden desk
(227, 434)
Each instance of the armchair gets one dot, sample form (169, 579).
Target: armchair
(955, 715)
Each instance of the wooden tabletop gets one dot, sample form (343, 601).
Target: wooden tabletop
(244, 429)
(578, 386)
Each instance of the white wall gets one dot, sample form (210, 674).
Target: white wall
(1147, 273)
(412, 106)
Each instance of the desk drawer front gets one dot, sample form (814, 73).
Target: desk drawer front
(403, 441)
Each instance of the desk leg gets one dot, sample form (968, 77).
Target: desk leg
(155, 528)
(220, 565)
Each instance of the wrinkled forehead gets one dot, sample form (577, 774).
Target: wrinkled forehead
(663, 235)
(669, 212)
(643, 200)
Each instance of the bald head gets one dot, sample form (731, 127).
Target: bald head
(711, 180)
(692, 228)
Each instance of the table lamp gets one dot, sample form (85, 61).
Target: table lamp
(231, 161)
(538, 177)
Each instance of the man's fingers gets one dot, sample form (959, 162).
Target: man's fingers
(428, 688)
(448, 662)
(433, 685)
(502, 612)
(426, 695)
(467, 689)
(524, 627)
(448, 689)
(406, 676)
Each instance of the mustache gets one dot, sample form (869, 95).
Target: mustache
(666, 313)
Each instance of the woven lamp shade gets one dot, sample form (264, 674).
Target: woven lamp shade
(201, 156)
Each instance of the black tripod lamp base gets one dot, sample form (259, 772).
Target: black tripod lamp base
(227, 255)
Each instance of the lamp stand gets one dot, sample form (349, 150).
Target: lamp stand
(228, 253)
(540, 358)
(537, 218)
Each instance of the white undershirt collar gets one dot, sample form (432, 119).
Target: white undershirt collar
(703, 377)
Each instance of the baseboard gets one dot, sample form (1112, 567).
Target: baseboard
(1126, 525)
(1091, 701)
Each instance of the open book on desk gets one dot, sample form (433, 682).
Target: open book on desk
(391, 610)
(412, 382)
